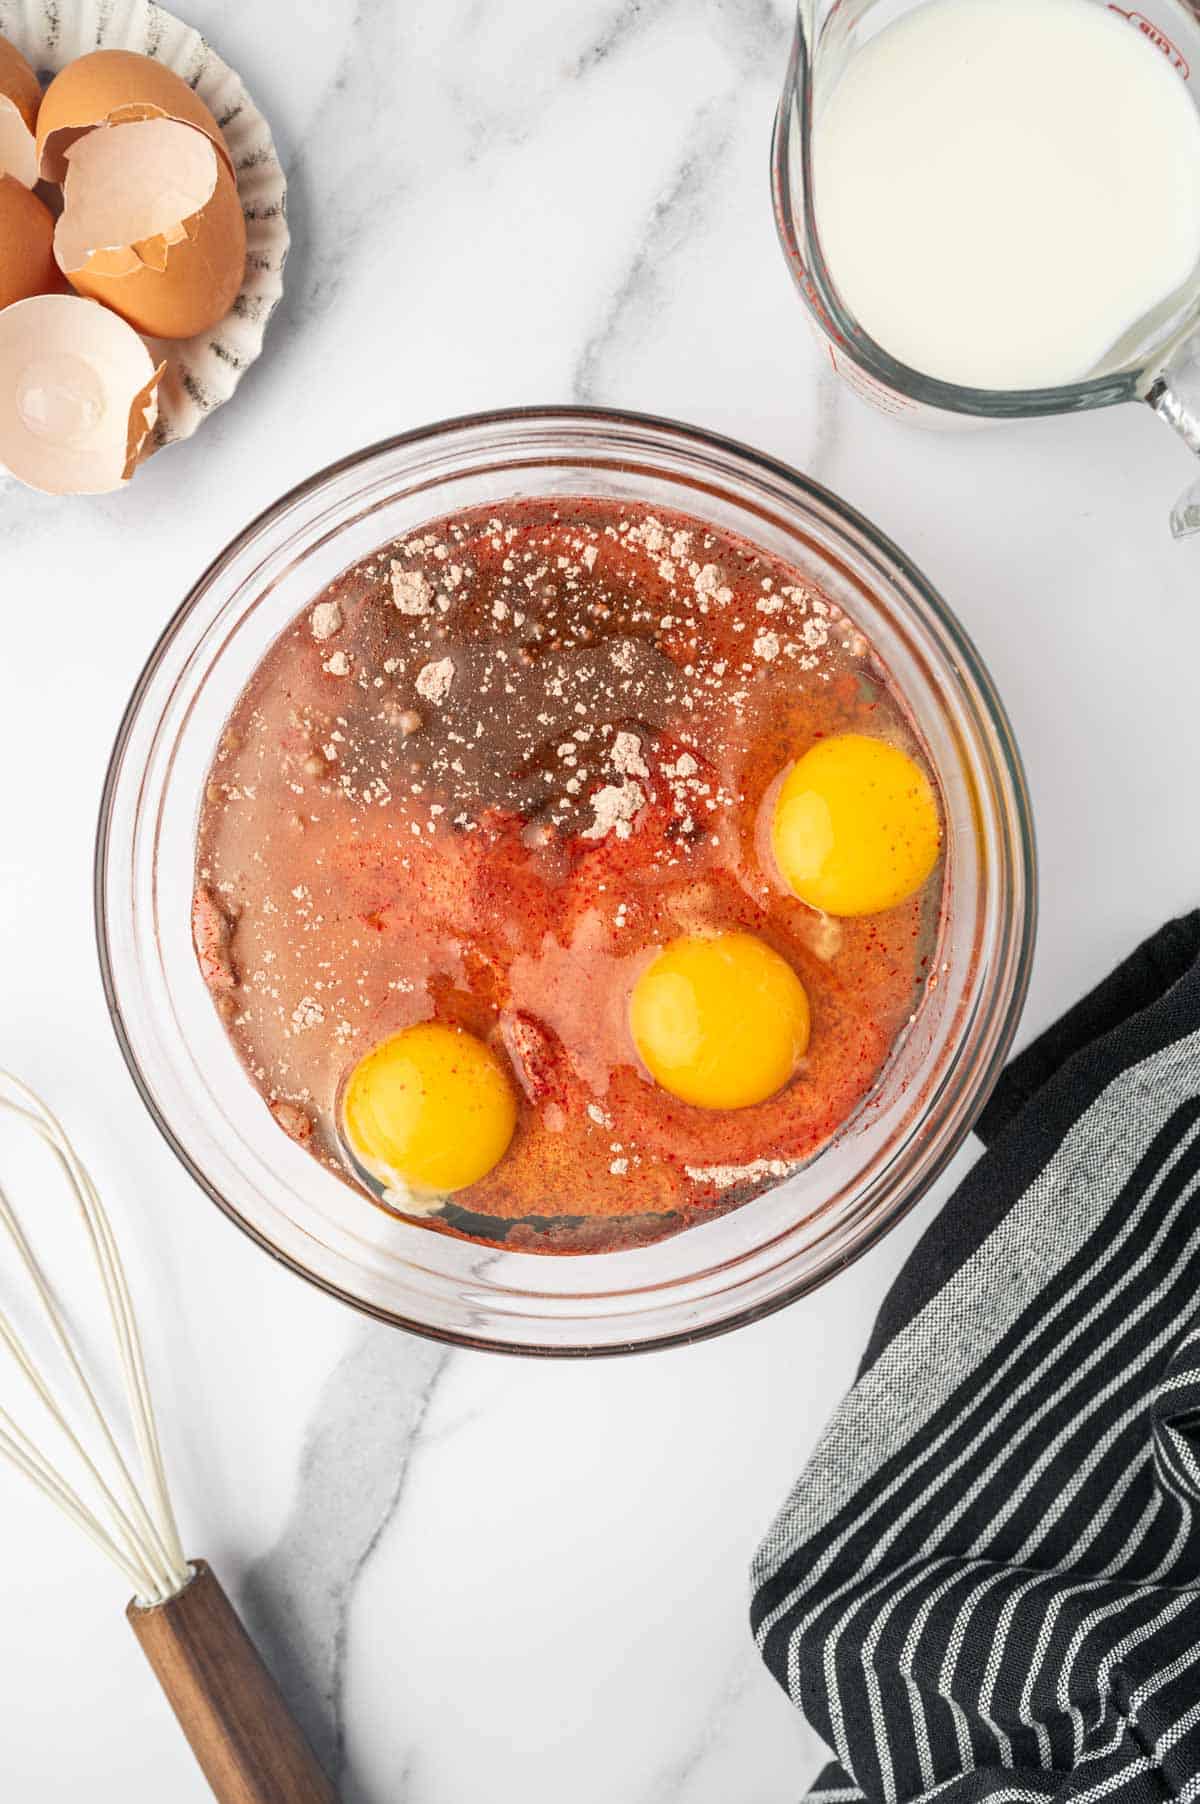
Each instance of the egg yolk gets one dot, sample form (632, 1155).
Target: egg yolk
(432, 1108)
(856, 826)
(721, 1022)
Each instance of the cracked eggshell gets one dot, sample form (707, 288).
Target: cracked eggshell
(204, 372)
(27, 265)
(152, 226)
(78, 395)
(114, 87)
(20, 98)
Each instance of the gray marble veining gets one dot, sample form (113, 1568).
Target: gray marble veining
(676, 1781)
(667, 231)
(358, 1448)
(756, 40)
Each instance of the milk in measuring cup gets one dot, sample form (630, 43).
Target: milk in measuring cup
(1005, 189)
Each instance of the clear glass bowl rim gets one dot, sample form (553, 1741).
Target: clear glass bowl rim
(861, 535)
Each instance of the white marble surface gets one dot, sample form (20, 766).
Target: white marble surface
(488, 1578)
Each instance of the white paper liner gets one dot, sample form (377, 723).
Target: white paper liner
(201, 372)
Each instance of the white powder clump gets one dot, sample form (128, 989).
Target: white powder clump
(434, 680)
(708, 585)
(412, 592)
(337, 665)
(325, 620)
(725, 1176)
(615, 808)
(767, 646)
(627, 756)
(307, 1014)
(651, 534)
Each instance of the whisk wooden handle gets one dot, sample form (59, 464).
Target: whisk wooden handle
(250, 1747)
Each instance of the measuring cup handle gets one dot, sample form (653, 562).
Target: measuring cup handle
(1175, 397)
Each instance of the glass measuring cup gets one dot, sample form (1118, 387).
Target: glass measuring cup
(1157, 362)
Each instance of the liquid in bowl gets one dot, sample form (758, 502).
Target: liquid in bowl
(487, 780)
(740, 1264)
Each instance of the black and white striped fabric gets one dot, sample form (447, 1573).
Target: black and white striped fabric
(986, 1584)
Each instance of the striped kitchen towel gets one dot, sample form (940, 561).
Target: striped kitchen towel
(986, 1584)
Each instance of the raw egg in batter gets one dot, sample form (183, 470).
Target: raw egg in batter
(429, 1111)
(721, 1021)
(856, 826)
(484, 889)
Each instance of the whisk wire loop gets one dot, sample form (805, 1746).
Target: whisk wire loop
(142, 1538)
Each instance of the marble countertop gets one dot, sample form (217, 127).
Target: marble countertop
(487, 1578)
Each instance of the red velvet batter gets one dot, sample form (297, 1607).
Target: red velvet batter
(488, 773)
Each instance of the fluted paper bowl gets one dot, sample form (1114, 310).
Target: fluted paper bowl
(202, 372)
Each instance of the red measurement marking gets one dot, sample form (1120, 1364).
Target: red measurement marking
(885, 399)
(812, 295)
(1157, 37)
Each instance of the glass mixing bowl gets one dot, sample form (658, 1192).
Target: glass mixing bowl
(708, 1278)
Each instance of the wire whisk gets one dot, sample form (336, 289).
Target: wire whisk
(249, 1746)
(141, 1537)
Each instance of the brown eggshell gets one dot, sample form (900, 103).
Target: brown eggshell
(19, 84)
(143, 412)
(113, 87)
(200, 280)
(132, 185)
(20, 96)
(27, 265)
(78, 395)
